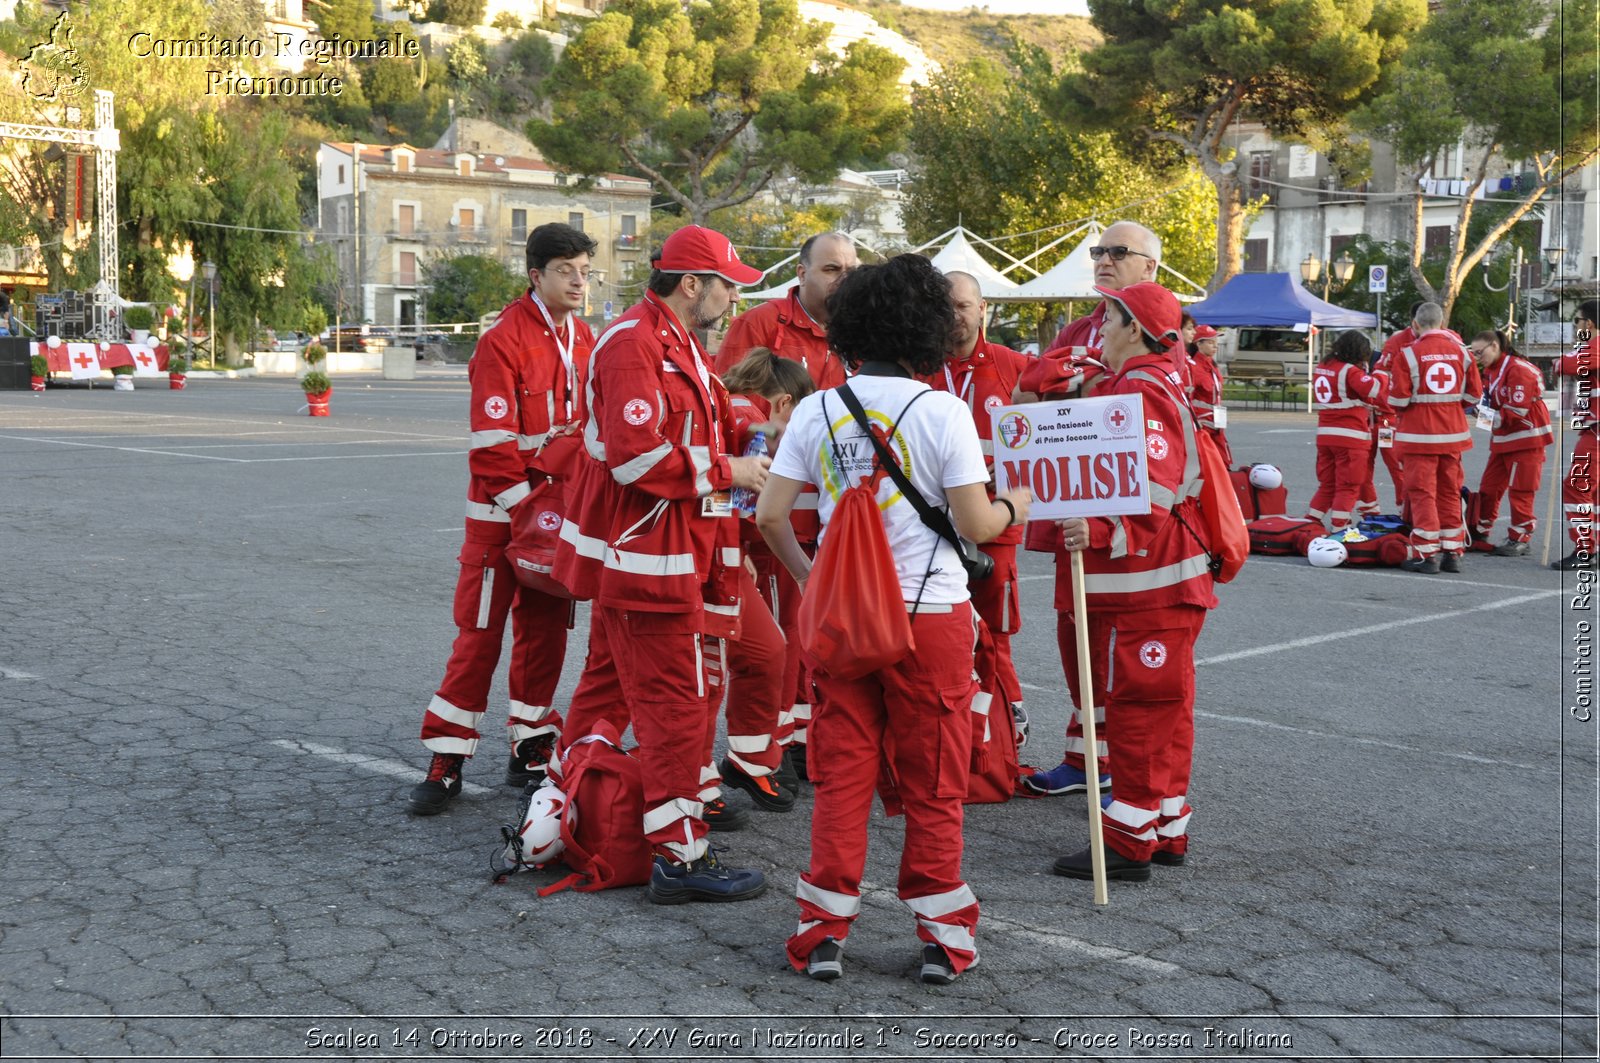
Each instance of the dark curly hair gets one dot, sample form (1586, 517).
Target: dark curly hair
(1353, 347)
(899, 311)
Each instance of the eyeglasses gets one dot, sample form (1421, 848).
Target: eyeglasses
(1118, 253)
(566, 273)
(1479, 352)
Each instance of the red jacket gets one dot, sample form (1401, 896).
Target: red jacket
(1515, 390)
(1584, 364)
(1434, 379)
(783, 326)
(1205, 391)
(1341, 394)
(1082, 332)
(985, 381)
(1157, 560)
(526, 409)
(641, 531)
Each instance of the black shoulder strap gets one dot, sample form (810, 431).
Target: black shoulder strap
(936, 519)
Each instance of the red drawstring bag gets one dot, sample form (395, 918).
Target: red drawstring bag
(1219, 508)
(535, 530)
(853, 617)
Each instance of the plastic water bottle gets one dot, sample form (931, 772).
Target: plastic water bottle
(743, 499)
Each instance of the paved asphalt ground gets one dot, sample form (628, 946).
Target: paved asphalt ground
(222, 620)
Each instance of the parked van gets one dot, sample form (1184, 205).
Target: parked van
(1272, 353)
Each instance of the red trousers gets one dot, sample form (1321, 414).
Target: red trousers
(1521, 471)
(995, 599)
(659, 673)
(756, 694)
(782, 595)
(1342, 476)
(911, 723)
(1393, 463)
(1579, 495)
(1143, 667)
(1433, 497)
(487, 593)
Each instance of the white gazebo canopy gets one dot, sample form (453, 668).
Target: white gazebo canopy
(1071, 278)
(958, 254)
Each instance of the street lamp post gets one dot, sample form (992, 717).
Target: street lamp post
(209, 271)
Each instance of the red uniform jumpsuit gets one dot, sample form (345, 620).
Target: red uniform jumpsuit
(1434, 378)
(985, 381)
(526, 405)
(1385, 419)
(784, 327)
(645, 540)
(755, 682)
(1514, 390)
(1344, 397)
(1205, 399)
(1147, 587)
(1579, 493)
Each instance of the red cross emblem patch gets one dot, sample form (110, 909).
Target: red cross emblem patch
(496, 407)
(1440, 378)
(1153, 654)
(1156, 446)
(636, 412)
(549, 520)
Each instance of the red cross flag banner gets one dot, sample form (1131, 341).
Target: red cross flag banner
(84, 361)
(144, 360)
(1079, 457)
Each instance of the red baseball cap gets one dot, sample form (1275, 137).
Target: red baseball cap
(696, 249)
(1205, 332)
(1154, 308)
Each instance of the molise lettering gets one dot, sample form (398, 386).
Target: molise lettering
(1077, 478)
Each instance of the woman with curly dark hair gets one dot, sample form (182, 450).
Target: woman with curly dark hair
(891, 323)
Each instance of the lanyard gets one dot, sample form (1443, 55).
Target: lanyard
(564, 350)
(966, 384)
(1505, 366)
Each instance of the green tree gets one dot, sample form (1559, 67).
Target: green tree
(712, 101)
(990, 155)
(1510, 81)
(349, 19)
(465, 287)
(457, 12)
(1184, 73)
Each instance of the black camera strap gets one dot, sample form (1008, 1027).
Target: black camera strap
(936, 519)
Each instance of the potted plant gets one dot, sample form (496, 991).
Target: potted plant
(122, 377)
(139, 320)
(177, 370)
(317, 387)
(314, 356)
(39, 371)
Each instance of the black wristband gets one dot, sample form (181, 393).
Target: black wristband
(1010, 508)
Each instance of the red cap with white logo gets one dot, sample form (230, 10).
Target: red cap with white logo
(696, 249)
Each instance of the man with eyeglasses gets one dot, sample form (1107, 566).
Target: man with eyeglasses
(1578, 491)
(795, 327)
(526, 376)
(647, 538)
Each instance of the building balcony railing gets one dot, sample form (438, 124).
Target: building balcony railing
(395, 232)
(472, 234)
(628, 240)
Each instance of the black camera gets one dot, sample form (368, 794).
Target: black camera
(978, 564)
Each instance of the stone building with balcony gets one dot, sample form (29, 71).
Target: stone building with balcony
(388, 209)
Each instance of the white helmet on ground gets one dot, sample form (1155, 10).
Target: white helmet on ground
(1266, 477)
(1326, 553)
(539, 837)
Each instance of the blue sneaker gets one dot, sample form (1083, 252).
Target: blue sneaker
(704, 880)
(1063, 779)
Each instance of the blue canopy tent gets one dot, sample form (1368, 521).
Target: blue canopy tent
(1274, 300)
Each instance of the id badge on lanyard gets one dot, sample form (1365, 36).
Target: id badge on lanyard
(564, 350)
(965, 394)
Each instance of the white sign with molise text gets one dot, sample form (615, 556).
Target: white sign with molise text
(1079, 457)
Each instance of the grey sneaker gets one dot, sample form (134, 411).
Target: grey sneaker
(826, 961)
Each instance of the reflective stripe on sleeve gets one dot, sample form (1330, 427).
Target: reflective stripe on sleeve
(491, 438)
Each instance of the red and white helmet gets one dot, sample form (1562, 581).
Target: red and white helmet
(1266, 477)
(539, 838)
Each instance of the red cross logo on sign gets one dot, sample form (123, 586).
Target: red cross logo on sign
(1117, 418)
(143, 359)
(1440, 378)
(1323, 389)
(1153, 654)
(83, 361)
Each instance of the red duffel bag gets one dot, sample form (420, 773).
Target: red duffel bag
(1282, 536)
(535, 529)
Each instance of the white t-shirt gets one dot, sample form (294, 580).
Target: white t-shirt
(937, 443)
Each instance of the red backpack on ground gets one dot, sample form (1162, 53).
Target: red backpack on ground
(1282, 536)
(603, 824)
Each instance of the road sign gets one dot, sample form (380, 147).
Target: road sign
(609, 310)
(1377, 278)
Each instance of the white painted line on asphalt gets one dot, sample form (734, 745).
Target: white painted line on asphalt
(1448, 581)
(310, 442)
(350, 457)
(376, 765)
(1285, 431)
(1066, 943)
(12, 673)
(1357, 632)
(126, 450)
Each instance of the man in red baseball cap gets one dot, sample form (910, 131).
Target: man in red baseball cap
(1205, 389)
(1148, 585)
(643, 537)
